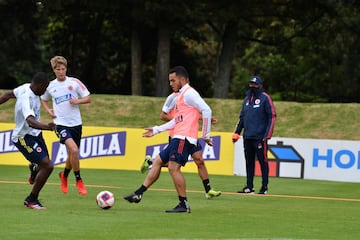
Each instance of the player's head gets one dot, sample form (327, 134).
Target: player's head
(180, 71)
(178, 77)
(39, 83)
(255, 82)
(58, 60)
(59, 66)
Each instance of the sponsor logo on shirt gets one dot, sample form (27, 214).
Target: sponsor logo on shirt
(63, 98)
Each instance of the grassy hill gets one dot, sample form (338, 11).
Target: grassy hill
(298, 120)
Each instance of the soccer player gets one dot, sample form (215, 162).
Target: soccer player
(27, 134)
(67, 94)
(167, 114)
(257, 118)
(185, 124)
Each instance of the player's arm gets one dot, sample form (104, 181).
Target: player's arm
(206, 126)
(38, 125)
(271, 118)
(213, 119)
(165, 116)
(240, 124)
(6, 96)
(194, 99)
(158, 129)
(29, 115)
(84, 100)
(168, 108)
(50, 111)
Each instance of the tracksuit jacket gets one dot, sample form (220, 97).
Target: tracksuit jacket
(257, 116)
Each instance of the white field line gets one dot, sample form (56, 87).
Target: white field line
(197, 191)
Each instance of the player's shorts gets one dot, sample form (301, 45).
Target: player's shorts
(65, 133)
(32, 147)
(196, 148)
(178, 150)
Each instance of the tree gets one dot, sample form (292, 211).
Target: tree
(21, 52)
(136, 49)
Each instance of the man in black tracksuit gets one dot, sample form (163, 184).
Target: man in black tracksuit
(257, 118)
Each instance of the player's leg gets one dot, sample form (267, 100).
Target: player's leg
(154, 174)
(204, 176)
(45, 168)
(249, 153)
(178, 178)
(147, 164)
(73, 152)
(33, 171)
(196, 154)
(179, 153)
(151, 177)
(264, 165)
(72, 162)
(71, 137)
(39, 156)
(63, 134)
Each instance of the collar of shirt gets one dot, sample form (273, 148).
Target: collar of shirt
(183, 88)
(31, 92)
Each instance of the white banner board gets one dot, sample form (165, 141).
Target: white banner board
(335, 160)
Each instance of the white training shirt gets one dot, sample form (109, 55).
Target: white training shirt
(61, 92)
(191, 98)
(169, 103)
(27, 104)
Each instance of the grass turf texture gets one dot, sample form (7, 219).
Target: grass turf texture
(293, 209)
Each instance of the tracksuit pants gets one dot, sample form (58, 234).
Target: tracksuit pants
(256, 148)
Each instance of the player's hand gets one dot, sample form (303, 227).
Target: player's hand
(213, 120)
(149, 132)
(52, 126)
(74, 101)
(51, 113)
(209, 141)
(235, 137)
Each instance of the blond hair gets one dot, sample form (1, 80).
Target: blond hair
(58, 60)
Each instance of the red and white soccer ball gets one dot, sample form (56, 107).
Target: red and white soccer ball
(105, 199)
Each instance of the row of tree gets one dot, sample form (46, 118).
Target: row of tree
(304, 50)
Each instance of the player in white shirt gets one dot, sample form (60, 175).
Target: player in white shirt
(66, 94)
(27, 135)
(196, 153)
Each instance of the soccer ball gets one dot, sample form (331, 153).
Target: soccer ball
(105, 199)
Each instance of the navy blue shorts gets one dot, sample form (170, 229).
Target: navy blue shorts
(178, 150)
(65, 133)
(194, 149)
(32, 147)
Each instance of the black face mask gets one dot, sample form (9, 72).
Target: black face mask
(254, 90)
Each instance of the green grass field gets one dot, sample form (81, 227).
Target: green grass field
(293, 209)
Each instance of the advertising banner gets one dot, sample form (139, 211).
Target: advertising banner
(335, 160)
(125, 148)
(120, 148)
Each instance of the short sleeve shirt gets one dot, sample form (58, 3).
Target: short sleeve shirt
(27, 104)
(61, 92)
